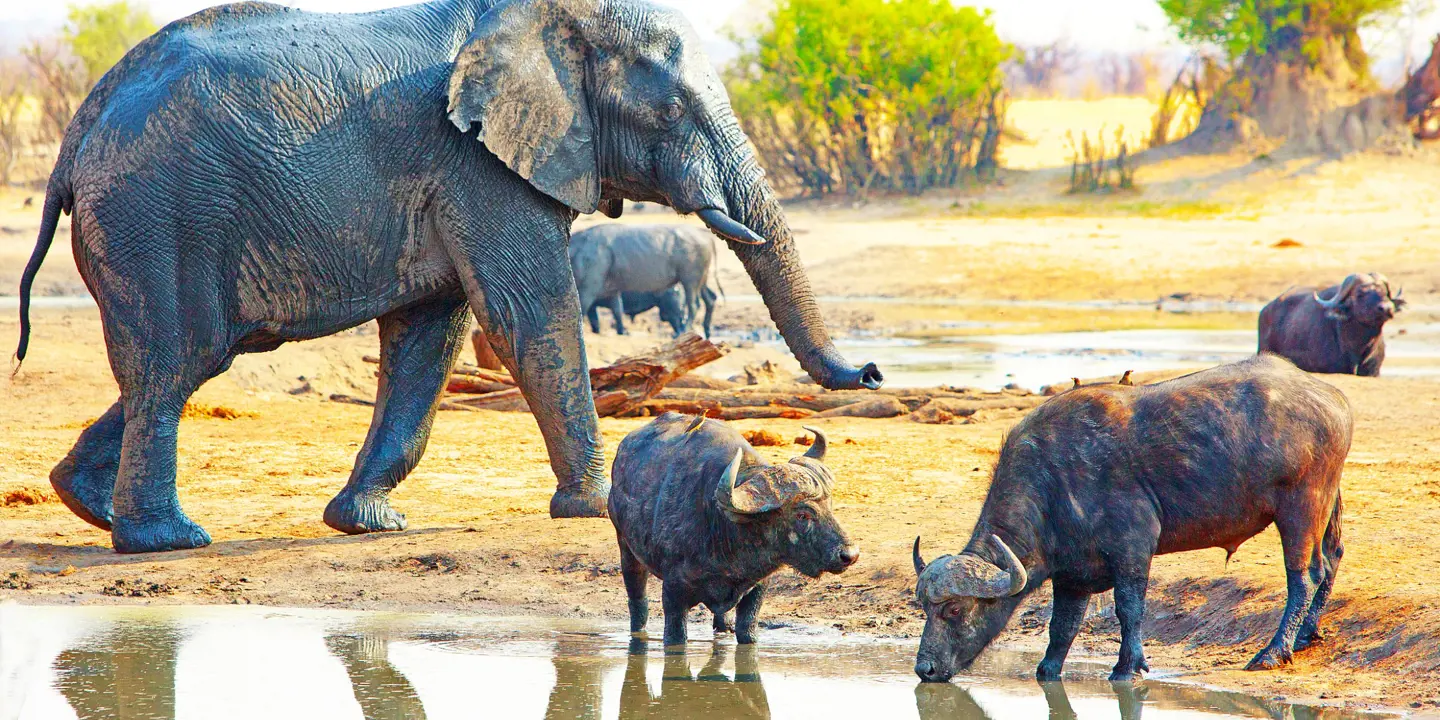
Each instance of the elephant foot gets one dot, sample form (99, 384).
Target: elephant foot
(1270, 658)
(174, 531)
(356, 514)
(580, 502)
(88, 492)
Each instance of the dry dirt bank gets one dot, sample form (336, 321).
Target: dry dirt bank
(479, 540)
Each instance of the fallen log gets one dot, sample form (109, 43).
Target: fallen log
(762, 412)
(701, 382)
(642, 377)
(475, 385)
(350, 400)
(876, 407)
(485, 357)
(506, 400)
(814, 399)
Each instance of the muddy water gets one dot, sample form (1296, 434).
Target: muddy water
(249, 662)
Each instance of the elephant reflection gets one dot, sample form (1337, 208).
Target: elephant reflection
(579, 671)
(126, 673)
(708, 695)
(382, 691)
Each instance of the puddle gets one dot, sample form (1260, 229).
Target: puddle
(253, 662)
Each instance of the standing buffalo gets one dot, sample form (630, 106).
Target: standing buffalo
(1335, 330)
(611, 259)
(253, 175)
(631, 304)
(1098, 480)
(693, 503)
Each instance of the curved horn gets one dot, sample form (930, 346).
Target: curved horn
(1014, 570)
(726, 227)
(818, 448)
(915, 555)
(725, 489)
(1345, 289)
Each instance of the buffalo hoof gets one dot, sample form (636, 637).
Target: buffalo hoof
(356, 514)
(580, 503)
(1269, 659)
(1048, 672)
(1307, 638)
(174, 532)
(86, 491)
(1135, 671)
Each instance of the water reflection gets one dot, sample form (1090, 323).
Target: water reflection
(710, 694)
(128, 673)
(169, 663)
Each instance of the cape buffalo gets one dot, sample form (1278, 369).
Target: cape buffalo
(693, 503)
(1101, 478)
(1335, 330)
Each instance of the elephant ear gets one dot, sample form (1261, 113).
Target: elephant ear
(521, 76)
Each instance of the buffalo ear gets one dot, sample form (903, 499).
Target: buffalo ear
(521, 76)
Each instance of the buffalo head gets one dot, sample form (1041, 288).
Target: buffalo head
(785, 508)
(1365, 298)
(967, 600)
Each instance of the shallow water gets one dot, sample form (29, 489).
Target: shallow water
(252, 662)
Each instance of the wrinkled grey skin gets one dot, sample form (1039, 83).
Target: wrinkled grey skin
(1098, 480)
(669, 302)
(612, 259)
(707, 550)
(1335, 330)
(253, 175)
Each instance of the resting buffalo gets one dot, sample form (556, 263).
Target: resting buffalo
(1335, 330)
(694, 504)
(1101, 478)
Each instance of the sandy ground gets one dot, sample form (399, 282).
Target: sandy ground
(480, 541)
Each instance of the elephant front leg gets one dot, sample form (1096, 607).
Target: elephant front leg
(418, 346)
(521, 288)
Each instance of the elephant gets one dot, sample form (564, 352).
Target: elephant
(253, 175)
(632, 304)
(610, 260)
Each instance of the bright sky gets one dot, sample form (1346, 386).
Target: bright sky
(1121, 25)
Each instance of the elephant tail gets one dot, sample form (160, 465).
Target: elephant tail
(55, 201)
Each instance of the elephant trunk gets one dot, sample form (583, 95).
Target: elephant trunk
(778, 274)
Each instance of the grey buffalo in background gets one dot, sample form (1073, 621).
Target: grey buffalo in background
(693, 503)
(1098, 480)
(632, 304)
(1335, 330)
(613, 259)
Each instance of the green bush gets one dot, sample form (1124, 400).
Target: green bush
(845, 96)
(99, 35)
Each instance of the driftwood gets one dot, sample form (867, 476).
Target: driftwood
(485, 357)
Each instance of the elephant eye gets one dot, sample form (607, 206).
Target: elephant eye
(673, 109)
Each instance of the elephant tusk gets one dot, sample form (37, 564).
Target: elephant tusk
(726, 227)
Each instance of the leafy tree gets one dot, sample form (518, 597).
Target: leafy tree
(99, 35)
(849, 95)
(1294, 60)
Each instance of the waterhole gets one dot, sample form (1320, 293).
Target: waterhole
(252, 662)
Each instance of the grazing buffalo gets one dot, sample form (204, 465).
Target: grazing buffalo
(693, 503)
(1098, 480)
(1335, 330)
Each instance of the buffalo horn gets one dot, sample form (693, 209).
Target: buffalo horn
(1014, 569)
(725, 489)
(818, 448)
(1345, 289)
(915, 555)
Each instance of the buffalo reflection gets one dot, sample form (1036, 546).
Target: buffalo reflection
(382, 691)
(710, 694)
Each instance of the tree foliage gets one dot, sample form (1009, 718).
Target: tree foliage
(99, 35)
(1242, 28)
(850, 95)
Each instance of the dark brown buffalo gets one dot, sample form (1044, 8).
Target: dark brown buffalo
(1098, 480)
(694, 504)
(1335, 330)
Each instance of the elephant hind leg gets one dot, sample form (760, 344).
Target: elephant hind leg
(418, 346)
(85, 479)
